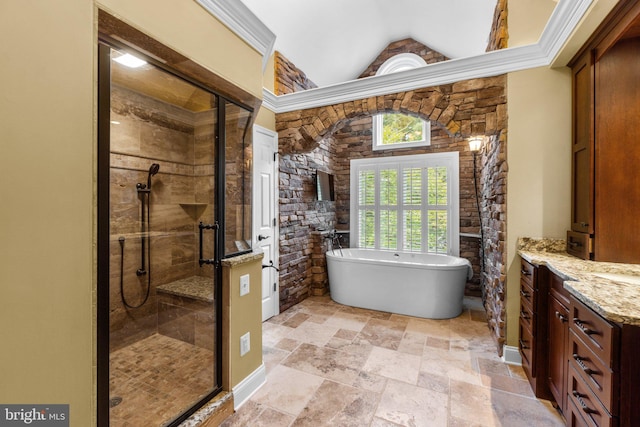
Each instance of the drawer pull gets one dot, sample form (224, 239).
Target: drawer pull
(583, 328)
(523, 345)
(524, 315)
(580, 363)
(584, 406)
(575, 244)
(584, 224)
(524, 294)
(525, 272)
(561, 316)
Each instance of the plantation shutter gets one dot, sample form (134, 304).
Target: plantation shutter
(406, 203)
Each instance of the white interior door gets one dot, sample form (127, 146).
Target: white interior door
(265, 223)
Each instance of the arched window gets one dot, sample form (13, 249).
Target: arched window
(395, 130)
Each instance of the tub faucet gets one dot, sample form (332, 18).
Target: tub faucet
(334, 240)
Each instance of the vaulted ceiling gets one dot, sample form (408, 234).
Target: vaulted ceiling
(333, 41)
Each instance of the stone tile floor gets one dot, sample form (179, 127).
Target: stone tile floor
(157, 379)
(333, 365)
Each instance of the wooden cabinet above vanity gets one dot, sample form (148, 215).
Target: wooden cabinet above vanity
(605, 214)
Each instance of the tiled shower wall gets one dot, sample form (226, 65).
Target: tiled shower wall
(145, 131)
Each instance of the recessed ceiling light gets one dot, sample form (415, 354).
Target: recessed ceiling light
(130, 61)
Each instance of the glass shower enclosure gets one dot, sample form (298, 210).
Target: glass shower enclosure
(174, 185)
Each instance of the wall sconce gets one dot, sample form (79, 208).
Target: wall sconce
(475, 142)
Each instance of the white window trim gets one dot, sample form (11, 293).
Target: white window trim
(448, 159)
(399, 62)
(377, 137)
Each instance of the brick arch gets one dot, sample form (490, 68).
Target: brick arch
(465, 108)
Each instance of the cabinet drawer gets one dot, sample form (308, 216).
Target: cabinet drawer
(595, 332)
(527, 294)
(579, 244)
(556, 288)
(527, 316)
(574, 416)
(527, 272)
(600, 379)
(590, 407)
(526, 349)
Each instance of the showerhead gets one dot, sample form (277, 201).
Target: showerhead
(153, 169)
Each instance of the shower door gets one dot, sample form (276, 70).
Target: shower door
(163, 289)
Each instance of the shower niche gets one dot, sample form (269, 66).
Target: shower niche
(179, 194)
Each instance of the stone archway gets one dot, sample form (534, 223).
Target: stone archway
(470, 107)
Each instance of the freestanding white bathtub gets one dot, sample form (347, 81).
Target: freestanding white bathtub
(415, 284)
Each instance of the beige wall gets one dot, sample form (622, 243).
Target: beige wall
(267, 118)
(47, 193)
(539, 159)
(539, 141)
(207, 41)
(244, 314)
(526, 20)
(47, 181)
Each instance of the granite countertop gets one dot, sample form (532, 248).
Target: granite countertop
(196, 287)
(615, 300)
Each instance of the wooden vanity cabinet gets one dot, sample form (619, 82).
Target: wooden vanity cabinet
(594, 366)
(603, 382)
(533, 326)
(558, 336)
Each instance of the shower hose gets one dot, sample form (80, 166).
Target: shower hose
(148, 272)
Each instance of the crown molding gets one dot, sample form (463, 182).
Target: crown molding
(239, 19)
(486, 65)
(269, 100)
(563, 21)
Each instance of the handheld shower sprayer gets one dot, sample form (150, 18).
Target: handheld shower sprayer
(144, 191)
(146, 188)
(153, 169)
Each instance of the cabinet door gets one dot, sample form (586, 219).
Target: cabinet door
(558, 361)
(582, 147)
(617, 154)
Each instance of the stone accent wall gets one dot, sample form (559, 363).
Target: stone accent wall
(288, 77)
(403, 46)
(470, 107)
(319, 277)
(300, 216)
(499, 37)
(494, 205)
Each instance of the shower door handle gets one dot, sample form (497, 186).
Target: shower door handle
(202, 226)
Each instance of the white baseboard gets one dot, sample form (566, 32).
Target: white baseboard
(245, 389)
(511, 355)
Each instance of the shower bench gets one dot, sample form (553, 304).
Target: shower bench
(186, 311)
